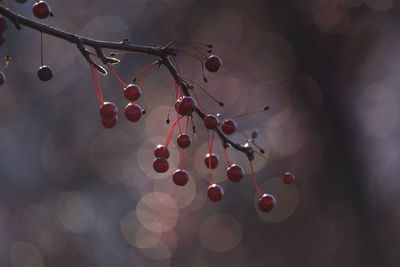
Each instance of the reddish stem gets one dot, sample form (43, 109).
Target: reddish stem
(253, 176)
(116, 76)
(226, 155)
(147, 70)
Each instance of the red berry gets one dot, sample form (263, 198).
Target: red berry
(228, 126)
(2, 78)
(211, 122)
(186, 106)
(3, 24)
(180, 177)
(177, 103)
(214, 160)
(132, 92)
(266, 203)
(234, 173)
(160, 165)
(184, 140)
(161, 152)
(213, 63)
(108, 110)
(41, 9)
(288, 177)
(109, 123)
(215, 192)
(133, 112)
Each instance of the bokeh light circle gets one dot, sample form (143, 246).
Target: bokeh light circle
(220, 233)
(157, 212)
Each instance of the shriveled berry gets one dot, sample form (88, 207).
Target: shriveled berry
(161, 152)
(45, 73)
(41, 9)
(186, 106)
(234, 173)
(2, 77)
(160, 165)
(266, 203)
(211, 122)
(109, 123)
(288, 178)
(133, 112)
(108, 110)
(228, 126)
(214, 160)
(184, 140)
(213, 63)
(180, 177)
(215, 192)
(132, 92)
(3, 23)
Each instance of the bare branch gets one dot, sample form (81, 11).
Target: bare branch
(164, 53)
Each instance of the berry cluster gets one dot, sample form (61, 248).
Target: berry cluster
(186, 103)
(184, 107)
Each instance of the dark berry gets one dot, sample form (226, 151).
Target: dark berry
(266, 203)
(228, 126)
(160, 165)
(2, 77)
(186, 106)
(184, 141)
(211, 122)
(41, 9)
(21, 1)
(288, 177)
(161, 152)
(234, 173)
(45, 73)
(3, 23)
(180, 177)
(108, 110)
(213, 63)
(132, 92)
(109, 123)
(215, 192)
(133, 112)
(214, 160)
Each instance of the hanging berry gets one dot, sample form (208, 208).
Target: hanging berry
(45, 73)
(213, 63)
(41, 9)
(161, 152)
(180, 177)
(215, 192)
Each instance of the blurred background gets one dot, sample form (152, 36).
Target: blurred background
(76, 194)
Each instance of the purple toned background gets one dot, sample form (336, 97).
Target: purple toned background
(75, 194)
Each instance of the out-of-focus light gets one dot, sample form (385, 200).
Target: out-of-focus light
(220, 233)
(157, 212)
(23, 254)
(182, 195)
(76, 212)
